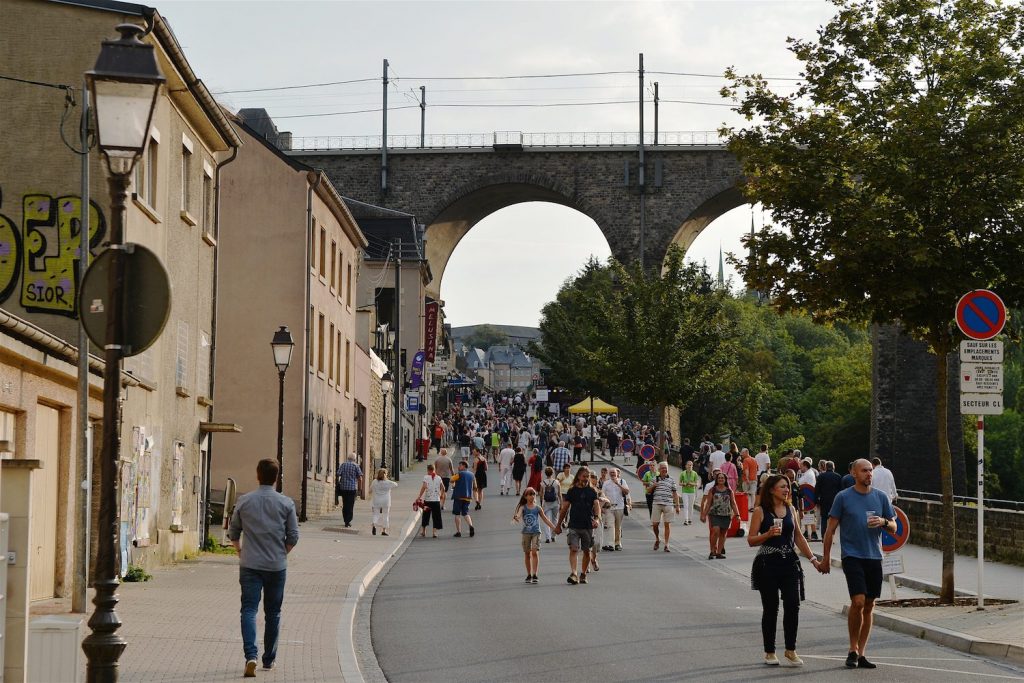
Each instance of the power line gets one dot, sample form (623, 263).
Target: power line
(721, 76)
(296, 87)
(522, 76)
(44, 84)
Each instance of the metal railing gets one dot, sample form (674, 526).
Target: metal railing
(506, 138)
(990, 503)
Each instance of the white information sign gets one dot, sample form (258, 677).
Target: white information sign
(981, 378)
(981, 404)
(542, 396)
(973, 351)
(892, 563)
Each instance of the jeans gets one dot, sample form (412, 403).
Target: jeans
(255, 582)
(551, 510)
(348, 504)
(771, 586)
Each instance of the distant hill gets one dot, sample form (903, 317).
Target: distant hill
(517, 334)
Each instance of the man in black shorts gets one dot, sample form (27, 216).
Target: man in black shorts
(861, 513)
(584, 512)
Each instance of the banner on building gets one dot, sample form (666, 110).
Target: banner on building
(430, 333)
(416, 377)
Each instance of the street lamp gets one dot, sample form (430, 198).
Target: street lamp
(387, 383)
(282, 346)
(124, 85)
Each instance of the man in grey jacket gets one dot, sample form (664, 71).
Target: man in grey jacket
(267, 518)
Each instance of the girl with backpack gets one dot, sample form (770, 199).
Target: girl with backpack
(551, 499)
(531, 515)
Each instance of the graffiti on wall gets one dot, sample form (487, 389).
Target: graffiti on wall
(44, 255)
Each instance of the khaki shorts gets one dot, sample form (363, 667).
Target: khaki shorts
(531, 542)
(580, 539)
(663, 512)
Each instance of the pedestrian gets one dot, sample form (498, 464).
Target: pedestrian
(649, 476)
(581, 507)
(860, 513)
(531, 514)
(431, 496)
(882, 479)
(380, 502)
(848, 480)
(551, 498)
(665, 494)
(807, 520)
(565, 478)
(689, 481)
(763, 460)
(505, 469)
(605, 504)
(749, 468)
(463, 491)
(717, 457)
(480, 467)
(613, 441)
(444, 466)
(495, 444)
(719, 507)
(776, 569)
(731, 471)
(577, 447)
(518, 469)
(535, 466)
(560, 456)
(615, 490)
(825, 491)
(350, 485)
(267, 520)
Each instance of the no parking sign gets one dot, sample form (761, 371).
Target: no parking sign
(647, 452)
(980, 314)
(893, 542)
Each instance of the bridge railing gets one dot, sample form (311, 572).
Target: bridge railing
(993, 503)
(506, 138)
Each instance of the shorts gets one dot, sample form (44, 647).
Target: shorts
(720, 521)
(460, 508)
(531, 542)
(663, 512)
(580, 539)
(863, 576)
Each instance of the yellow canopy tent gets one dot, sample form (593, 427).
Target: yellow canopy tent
(599, 407)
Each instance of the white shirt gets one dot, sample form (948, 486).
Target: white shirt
(434, 486)
(716, 460)
(883, 480)
(505, 458)
(764, 461)
(524, 439)
(615, 494)
(381, 492)
(808, 477)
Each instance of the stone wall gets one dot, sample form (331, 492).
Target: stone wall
(1004, 529)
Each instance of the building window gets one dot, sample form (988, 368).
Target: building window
(348, 373)
(309, 331)
(330, 360)
(207, 208)
(145, 173)
(337, 372)
(181, 356)
(203, 365)
(323, 252)
(341, 265)
(312, 245)
(320, 446)
(334, 262)
(348, 284)
(320, 344)
(186, 177)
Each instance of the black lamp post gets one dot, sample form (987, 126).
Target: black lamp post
(124, 85)
(387, 383)
(282, 345)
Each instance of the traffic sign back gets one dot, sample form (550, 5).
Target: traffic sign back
(980, 314)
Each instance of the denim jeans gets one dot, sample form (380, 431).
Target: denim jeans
(255, 582)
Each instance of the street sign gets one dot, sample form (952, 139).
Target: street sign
(806, 498)
(892, 564)
(647, 452)
(626, 446)
(893, 542)
(981, 351)
(412, 402)
(147, 299)
(981, 378)
(980, 314)
(981, 404)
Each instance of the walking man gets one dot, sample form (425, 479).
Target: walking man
(463, 488)
(581, 506)
(350, 484)
(560, 457)
(267, 519)
(861, 513)
(616, 490)
(665, 494)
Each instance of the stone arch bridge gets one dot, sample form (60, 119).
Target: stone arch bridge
(450, 190)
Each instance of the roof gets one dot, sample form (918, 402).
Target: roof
(508, 355)
(475, 358)
(516, 331)
(382, 233)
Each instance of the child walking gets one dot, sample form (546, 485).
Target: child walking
(531, 515)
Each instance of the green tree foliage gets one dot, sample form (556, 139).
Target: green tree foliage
(485, 336)
(894, 172)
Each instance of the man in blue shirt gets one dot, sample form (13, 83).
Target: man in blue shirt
(350, 484)
(560, 457)
(463, 487)
(861, 513)
(267, 520)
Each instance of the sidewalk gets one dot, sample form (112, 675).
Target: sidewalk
(994, 632)
(183, 625)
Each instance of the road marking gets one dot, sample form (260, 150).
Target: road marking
(924, 668)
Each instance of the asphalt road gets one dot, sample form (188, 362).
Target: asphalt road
(456, 609)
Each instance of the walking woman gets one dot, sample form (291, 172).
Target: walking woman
(518, 469)
(776, 568)
(536, 467)
(480, 472)
(720, 506)
(531, 515)
(551, 499)
(380, 501)
(432, 494)
(689, 482)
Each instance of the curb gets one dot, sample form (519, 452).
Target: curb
(947, 638)
(347, 657)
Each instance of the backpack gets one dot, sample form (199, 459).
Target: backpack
(550, 492)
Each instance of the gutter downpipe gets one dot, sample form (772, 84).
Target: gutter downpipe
(213, 346)
(314, 178)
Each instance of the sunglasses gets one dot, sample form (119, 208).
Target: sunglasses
(530, 495)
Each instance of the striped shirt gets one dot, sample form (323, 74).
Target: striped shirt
(560, 457)
(664, 487)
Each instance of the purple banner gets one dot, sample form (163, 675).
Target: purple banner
(416, 379)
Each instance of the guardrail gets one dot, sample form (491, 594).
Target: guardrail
(506, 139)
(993, 503)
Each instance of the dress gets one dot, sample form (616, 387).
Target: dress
(536, 472)
(481, 473)
(518, 467)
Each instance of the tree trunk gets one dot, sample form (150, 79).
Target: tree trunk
(946, 474)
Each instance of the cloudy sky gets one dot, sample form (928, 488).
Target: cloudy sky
(245, 45)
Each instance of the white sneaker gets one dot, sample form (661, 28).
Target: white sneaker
(770, 659)
(793, 658)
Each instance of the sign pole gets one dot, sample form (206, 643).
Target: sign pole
(981, 511)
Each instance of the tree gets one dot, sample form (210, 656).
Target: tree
(895, 172)
(485, 336)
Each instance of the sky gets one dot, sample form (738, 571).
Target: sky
(245, 45)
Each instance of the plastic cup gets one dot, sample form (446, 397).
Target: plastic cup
(869, 514)
(777, 523)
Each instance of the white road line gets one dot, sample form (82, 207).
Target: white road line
(925, 668)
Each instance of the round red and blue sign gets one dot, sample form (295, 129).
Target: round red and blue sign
(626, 446)
(980, 314)
(647, 452)
(893, 542)
(806, 498)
